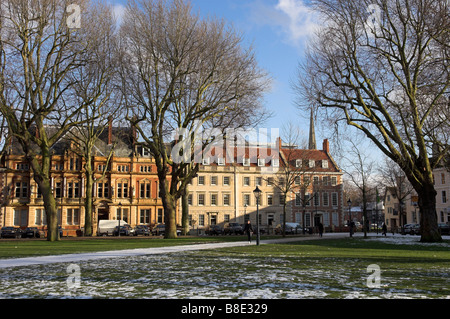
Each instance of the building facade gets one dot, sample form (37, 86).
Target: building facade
(442, 184)
(127, 187)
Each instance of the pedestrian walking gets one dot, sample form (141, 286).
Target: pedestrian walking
(320, 229)
(384, 228)
(249, 230)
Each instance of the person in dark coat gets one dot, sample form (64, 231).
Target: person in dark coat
(384, 229)
(248, 229)
(320, 229)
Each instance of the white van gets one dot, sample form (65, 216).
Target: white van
(106, 227)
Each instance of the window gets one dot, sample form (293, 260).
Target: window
(103, 190)
(246, 199)
(444, 197)
(275, 162)
(282, 199)
(59, 166)
(21, 190)
(442, 178)
(226, 218)
(40, 218)
(226, 199)
(122, 168)
(326, 180)
(144, 217)
(333, 181)
(201, 220)
(316, 199)
(58, 190)
(298, 199)
(213, 180)
(22, 166)
(160, 215)
(221, 161)
(122, 214)
(297, 180)
(145, 189)
(20, 217)
(307, 200)
(269, 181)
(316, 180)
(261, 162)
(190, 199)
(205, 161)
(246, 161)
(325, 199)
(74, 164)
(201, 180)
(334, 199)
(73, 216)
(298, 163)
(73, 190)
(246, 181)
(269, 199)
(226, 181)
(145, 169)
(213, 199)
(122, 190)
(312, 163)
(258, 181)
(324, 164)
(201, 199)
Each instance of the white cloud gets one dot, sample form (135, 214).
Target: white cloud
(302, 19)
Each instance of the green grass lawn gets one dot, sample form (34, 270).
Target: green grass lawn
(327, 268)
(41, 247)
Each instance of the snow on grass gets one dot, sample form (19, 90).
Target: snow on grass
(227, 274)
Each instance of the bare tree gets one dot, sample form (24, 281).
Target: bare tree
(182, 72)
(360, 168)
(43, 46)
(382, 67)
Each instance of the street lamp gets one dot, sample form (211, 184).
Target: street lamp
(120, 216)
(257, 193)
(349, 202)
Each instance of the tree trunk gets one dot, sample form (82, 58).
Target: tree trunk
(50, 209)
(169, 204)
(185, 211)
(88, 227)
(428, 217)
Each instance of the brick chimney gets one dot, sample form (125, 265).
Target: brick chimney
(326, 145)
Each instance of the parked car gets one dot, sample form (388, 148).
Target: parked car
(233, 228)
(214, 230)
(291, 228)
(142, 230)
(31, 232)
(408, 229)
(444, 228)
(11, 232)
(106, 227)
(160, 230)
(415, 229)
(125, 230)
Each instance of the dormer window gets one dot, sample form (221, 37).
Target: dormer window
(298, 163)
(312, 163)
(275, 162)
(246, 161)
(261, 162)
(324, 164)
(205, 161)
(221, 161)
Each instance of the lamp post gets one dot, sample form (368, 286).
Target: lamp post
(120, 216)
(257, 193)
(349, 202)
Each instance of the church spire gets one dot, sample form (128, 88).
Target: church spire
(312, 133)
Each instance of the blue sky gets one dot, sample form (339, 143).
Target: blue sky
(278, 30)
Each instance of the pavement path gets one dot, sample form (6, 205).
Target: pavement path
(72, 258)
